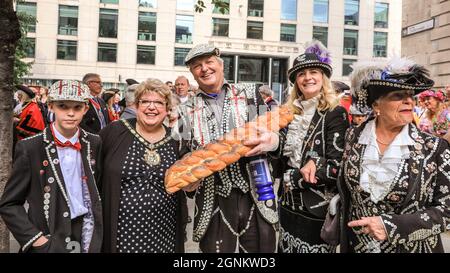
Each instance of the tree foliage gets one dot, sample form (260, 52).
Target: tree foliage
(21, 68)
(221, 5)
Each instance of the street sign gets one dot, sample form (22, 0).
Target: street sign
(426, 25)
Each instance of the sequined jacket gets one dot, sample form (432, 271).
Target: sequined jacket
(417, 208)
(324, 144)
(199, 125)
(37, 178)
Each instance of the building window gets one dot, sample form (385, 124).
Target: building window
(228, 68)
(107, 52)
(346, 66)
(320, 11)
(279, 73)
(108, 23)
(256, 8)
(109, 1)
(30, 48)
(288, 32)
(350, 42)
(68, 20)
(147, 3)
(351, 12)
(66, 50)
(185, 5)
(147, 26)
(254, 30)
(380, 41)
(289, 9)
(225, 11)
(321, 34)
(381, 15)
(253, 69)
(184, 29)
(220, 27)
(145, 54)
(28, 9)
(180, 54)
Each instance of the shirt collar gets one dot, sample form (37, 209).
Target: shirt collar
(225, 86)
(62, 139)
(368, 135)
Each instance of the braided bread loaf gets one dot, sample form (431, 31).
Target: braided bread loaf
(215, 156)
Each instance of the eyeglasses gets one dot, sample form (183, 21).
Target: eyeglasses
(156, 103)
(400, 95)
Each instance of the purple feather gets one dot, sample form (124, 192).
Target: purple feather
(317, 48)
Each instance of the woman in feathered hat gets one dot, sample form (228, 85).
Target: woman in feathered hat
(436, 118)
(312, 152)
(395, 179)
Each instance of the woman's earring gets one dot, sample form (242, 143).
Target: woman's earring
(378, 113)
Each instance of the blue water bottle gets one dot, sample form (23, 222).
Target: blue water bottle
(260, 173)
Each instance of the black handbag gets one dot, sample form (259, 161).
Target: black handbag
(330, 231)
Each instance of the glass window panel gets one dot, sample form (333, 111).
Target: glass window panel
(220, 27)
(109, 1)
(256, 8)
(346, 69)
(380, 41)
(66, 50)
(289, 9)
(68, 20)
(184, 29)
(320, 11)
(321, 34)
(226, 11)
(185, 4)
(147, 3)
(381, 15)
(288, 32)
(29, 9)
(146, 54)
(350, 42)
(253, 69)
(107, 52)
(147, 26)
(30, 48)
(228, 68)
(279, 81)
(108, 23)
(254, 30)
(351, 12)
(180, 54)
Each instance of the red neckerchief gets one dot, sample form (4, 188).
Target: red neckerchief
(76, 146)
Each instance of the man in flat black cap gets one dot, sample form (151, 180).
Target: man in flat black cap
(228, 214)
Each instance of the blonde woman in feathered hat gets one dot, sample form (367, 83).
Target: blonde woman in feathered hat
(312, 152)
(394, 182)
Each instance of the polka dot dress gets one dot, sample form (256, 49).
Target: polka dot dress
(147, 221)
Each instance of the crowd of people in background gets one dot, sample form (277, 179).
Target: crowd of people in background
(91, 162)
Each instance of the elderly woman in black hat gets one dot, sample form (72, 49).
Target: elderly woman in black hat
(312, 152)
(395, 180)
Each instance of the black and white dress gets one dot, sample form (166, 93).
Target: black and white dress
(147, 213)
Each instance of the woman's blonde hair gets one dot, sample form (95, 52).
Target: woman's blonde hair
(154, 85)
(328, 99)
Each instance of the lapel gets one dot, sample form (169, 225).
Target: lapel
(415, 162)
(88, 165)
(353, 154)
(316, 122)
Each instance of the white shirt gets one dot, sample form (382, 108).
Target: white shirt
(71, 164)
(378, 173)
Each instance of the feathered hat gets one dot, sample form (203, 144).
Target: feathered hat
(371, 80)
(316, 56)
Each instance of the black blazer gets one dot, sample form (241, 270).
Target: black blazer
(36, 172)
(91, 122)
(324, 144)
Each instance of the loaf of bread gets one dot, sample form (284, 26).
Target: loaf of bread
(215, 156)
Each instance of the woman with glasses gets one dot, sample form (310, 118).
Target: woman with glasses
(394, 181)
(140, 216)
